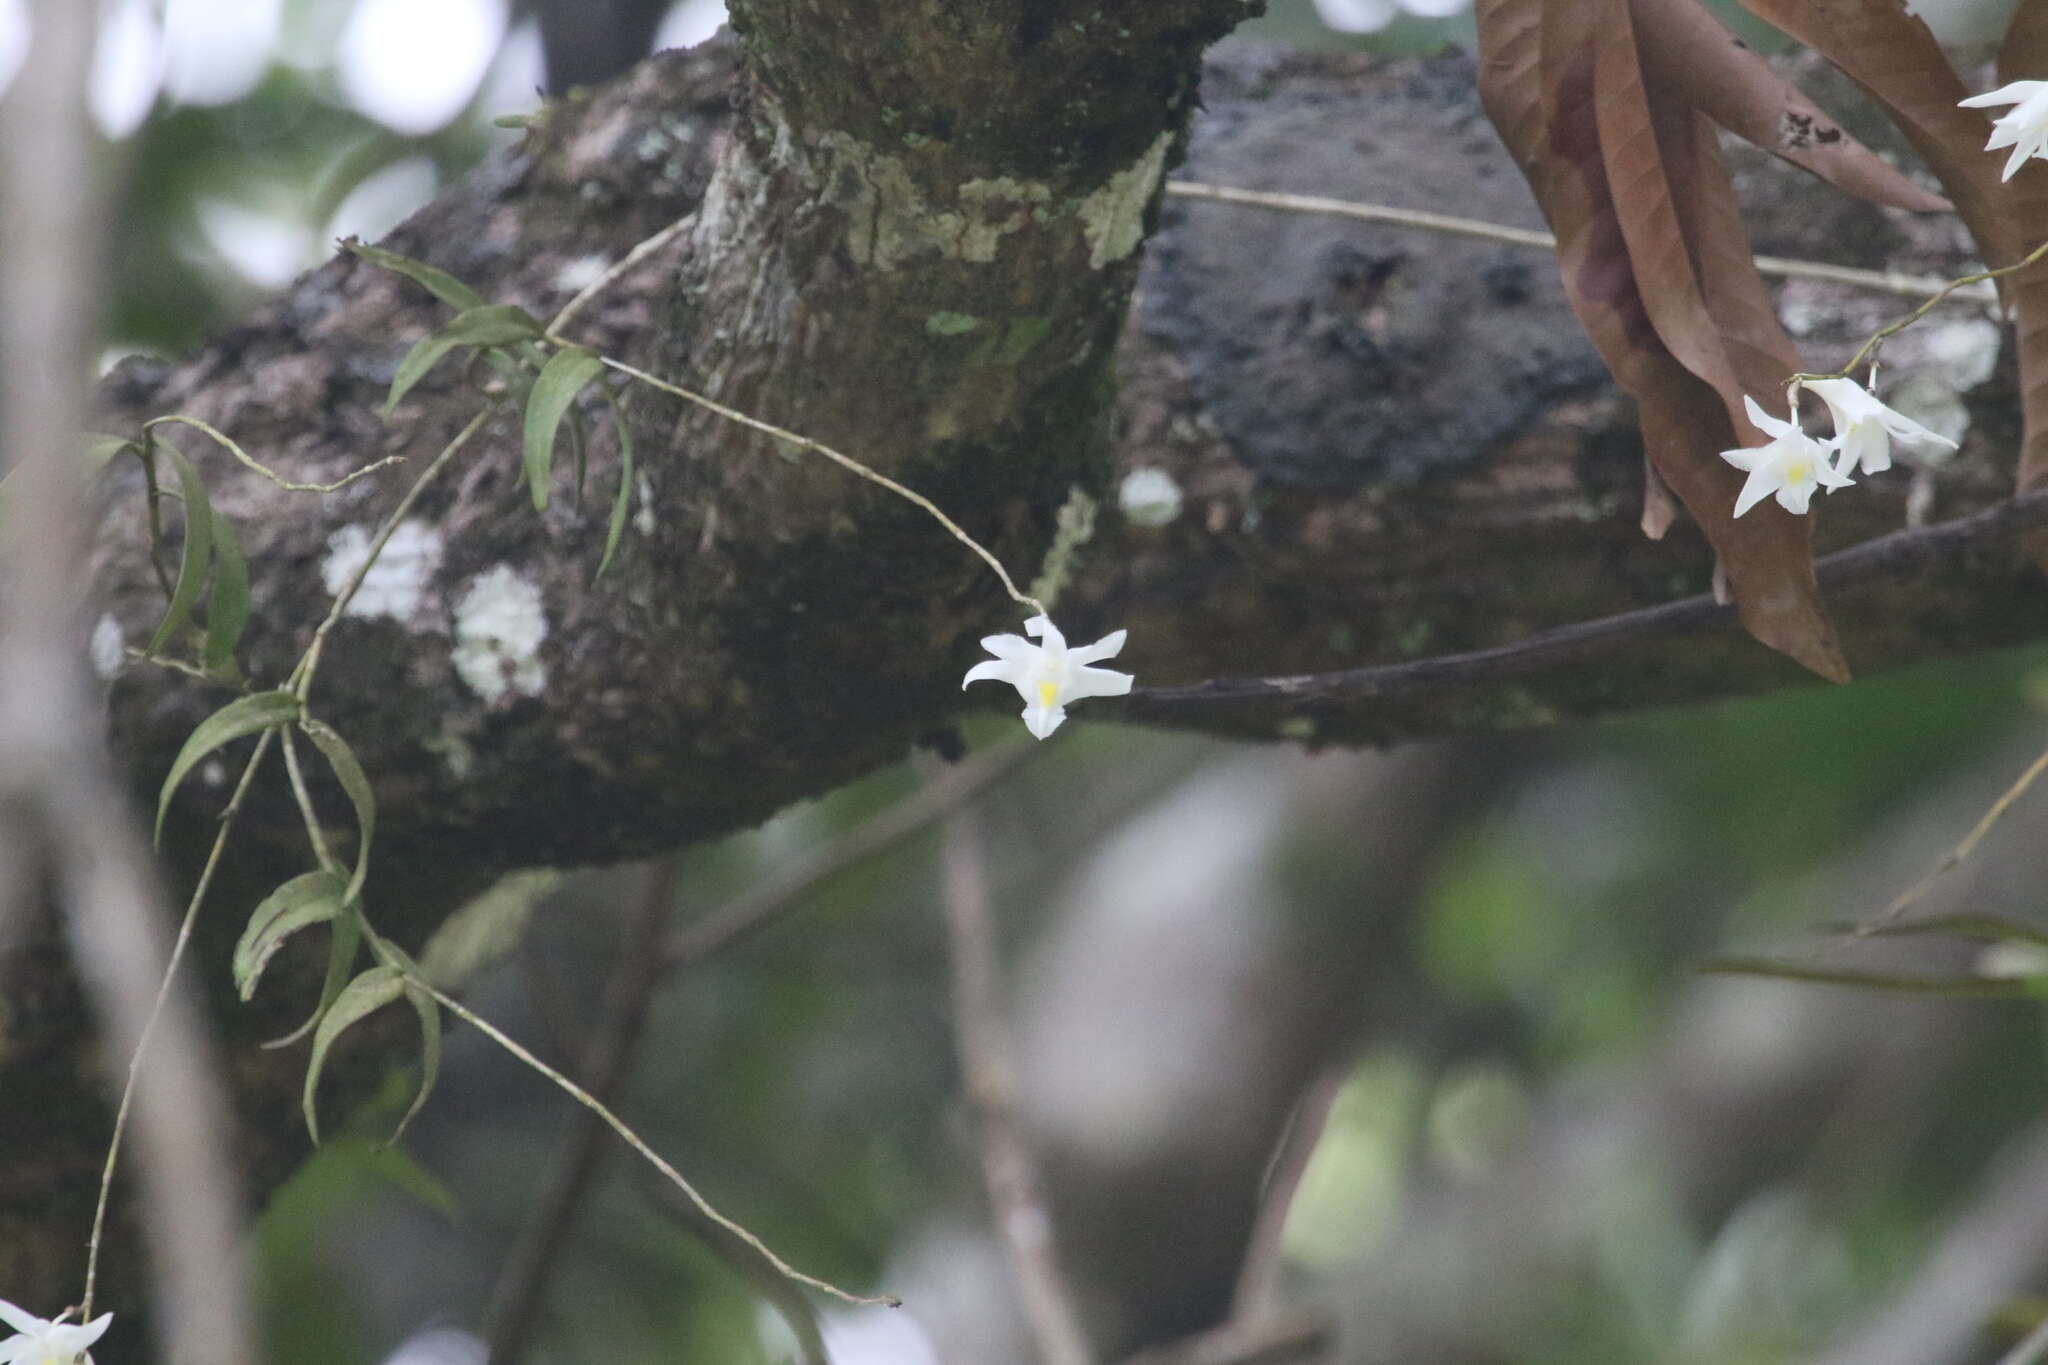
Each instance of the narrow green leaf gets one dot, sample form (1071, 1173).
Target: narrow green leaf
(100, 448)
(242, 716)
(439, 283)
(494, 324)
(624, 499)
(353, 781)
(430, 1054)
(1962, 924)
(424, 355)
(561, 379)
(362, 997)
(344, 938)
(197, 556)
(1902, 982)
(227, 609)
(313, 898)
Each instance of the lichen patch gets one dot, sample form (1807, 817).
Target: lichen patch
(500, 624)
(1113, 217)
(397, 582)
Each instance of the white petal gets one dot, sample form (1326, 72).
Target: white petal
(1754, 491)
(1764, 422)
(1097, 682)
(1009, 646)
(2013, 93)
(1041, 721)
(994, 670)
(1906, 429)
(1795, 497)
(1743, 459)
(1043, 627)
(21, 1320)
(1105, 648)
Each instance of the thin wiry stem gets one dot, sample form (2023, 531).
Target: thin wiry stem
(1962, 850)
(1869, 348)
(178, 946)
(640, 252)
(846, 462)
(228, 444)
(636, 1142)
(1883, 281)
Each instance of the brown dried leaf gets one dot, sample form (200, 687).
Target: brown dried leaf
(1891, 54)
(1647, 310)
(1687, 51)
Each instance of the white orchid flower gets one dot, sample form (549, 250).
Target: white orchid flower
(1047, 675)
(39, 1341)
(2024, 127)
(1790, 466)
(1864, 427)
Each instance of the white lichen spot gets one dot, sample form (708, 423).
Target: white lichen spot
(1149, 497)
(643, 515)
(890, 222)
(397, 580)
(499, 626)
(108, 647)
(213, 773)
(581, 273)
(1113, 217)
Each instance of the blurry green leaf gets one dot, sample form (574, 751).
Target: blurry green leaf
(100, 448)
(424, 355)
(1990, 928)
(197, 556)
(491, 324)
(242, 716)
(1819, 974)
(439, 283)
(353, 781)
(430, 1054)
(362, 997)
(227, 610)
(312, 898)
(561, 379)
(485, 928)
(344, 938)
(624, 499)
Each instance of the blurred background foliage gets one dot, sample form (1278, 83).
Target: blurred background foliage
(1533, 1133)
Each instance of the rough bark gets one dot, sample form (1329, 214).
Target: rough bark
(916, 239)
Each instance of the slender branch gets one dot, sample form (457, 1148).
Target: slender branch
(1896, 554)
(1016, 1195)
(1962, 850)
(606, 1062)
(142, 1040)
(1884, 281)
(228, 444)
(640, 252)
(626, 1134)
(2031, 1350)
(1258, 1281)
(765, 901)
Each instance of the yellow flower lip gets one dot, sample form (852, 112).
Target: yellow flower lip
(1047, 692)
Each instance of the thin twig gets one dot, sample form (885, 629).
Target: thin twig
(1883, 281)
(607, 1060)
(846, 462)
(1899, 553)
(1257, 1294)
(178, 946)
(228, 444)
(640, 252)
(1869, 348)
(301, 679)
(1962, 850)
(1016, 1197)
(763, 902)
(635, 1141)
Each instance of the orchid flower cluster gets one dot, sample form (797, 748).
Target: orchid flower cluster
(1792, 464)
(43, 1341)
(1049, 674)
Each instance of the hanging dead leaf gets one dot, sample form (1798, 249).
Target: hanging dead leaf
(2024, 56)
(1686, 50)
